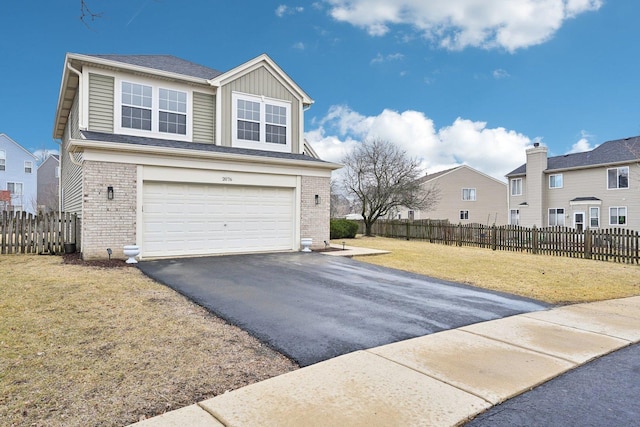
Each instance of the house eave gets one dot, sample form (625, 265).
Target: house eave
(79, 145)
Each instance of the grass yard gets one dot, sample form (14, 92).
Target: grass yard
(557, 280)
(94, 346)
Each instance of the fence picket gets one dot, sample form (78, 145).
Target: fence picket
(27, 233)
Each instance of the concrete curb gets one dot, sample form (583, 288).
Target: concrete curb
(441, 379)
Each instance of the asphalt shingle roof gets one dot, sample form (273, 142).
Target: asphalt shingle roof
(155, 142)
(167, 63)
(616, 151)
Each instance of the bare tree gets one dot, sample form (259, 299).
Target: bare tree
(382, 178)
(87, 14)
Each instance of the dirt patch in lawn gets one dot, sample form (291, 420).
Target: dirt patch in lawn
(557, 280)
(84, 344)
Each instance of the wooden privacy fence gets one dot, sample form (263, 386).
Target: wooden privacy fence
(612, 244)
(23, 233)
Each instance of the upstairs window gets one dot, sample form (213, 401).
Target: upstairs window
(3, 160)
(618, 178)
(516, 187)
(555, 181)
(172, 112)
(468, 194)
(260, 122)
(137, 104)
(28, 167)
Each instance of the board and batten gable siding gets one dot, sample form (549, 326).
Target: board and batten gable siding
(70, 173)
(259, 82)
(204, 117)
(101, 98)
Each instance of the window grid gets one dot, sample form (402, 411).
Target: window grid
(516, 187)
(618, 178)
(594, 217)
(618, 215)
(469, 194)
(172, 117)
(28, 166)
(556, 217)
(260, 120)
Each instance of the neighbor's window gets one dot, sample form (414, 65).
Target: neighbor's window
(137, 103)
(172, 111)
(15, 188)
(57, 171)
(555, 181)
(514, 216)
(594, 217)
(516, 187)
(618, 177)
(464, 214)
(261, 121)
(468, 194)
(28, 167)
(556, 217)
(3, 160)
(618, 215)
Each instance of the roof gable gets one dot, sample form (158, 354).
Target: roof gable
(8, 139)
(445, 172)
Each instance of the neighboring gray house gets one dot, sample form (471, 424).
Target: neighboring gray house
(17, 176)
(48, 180)
(184, 160)
(466, 196)
(593, 189)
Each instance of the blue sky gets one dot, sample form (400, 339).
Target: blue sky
(461, 81)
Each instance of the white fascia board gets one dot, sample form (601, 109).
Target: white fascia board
(76, 145)
(253, 63)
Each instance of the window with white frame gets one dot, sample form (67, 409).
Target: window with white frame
(555, 181)
(137, 106)
(514, 216)
(57, 171)
(516, 187)
(594, 217)
(28, 167)
(3, 160)
(15, 188)
(556, 217)
(468, 194)
(618, 215)
(260, 122)
(618, 178)
(172, 111)
(464, 214)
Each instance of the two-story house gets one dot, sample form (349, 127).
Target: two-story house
(18, 177)
(184, 160)
(48, 180)
(593, 189)
(466, 196)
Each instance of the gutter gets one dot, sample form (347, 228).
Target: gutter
(80, 100)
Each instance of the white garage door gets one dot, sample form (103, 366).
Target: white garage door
(200, 219)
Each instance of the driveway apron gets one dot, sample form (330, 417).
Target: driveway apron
(313, 307)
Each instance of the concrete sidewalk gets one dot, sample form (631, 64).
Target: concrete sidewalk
(351, 251)
(443, 379)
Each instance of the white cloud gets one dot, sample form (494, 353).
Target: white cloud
(494, 151)
(583, 144)
(456, 24)
(283, 10)
(299, 45)
(500, 74)
(391, 57)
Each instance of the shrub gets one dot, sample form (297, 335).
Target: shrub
(343, 228)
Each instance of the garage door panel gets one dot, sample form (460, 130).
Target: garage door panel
(198, 219)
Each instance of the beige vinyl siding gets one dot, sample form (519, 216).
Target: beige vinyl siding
(489, 207)
(70, 173)
(592, 182)
(259, 82)
(101, 93)
(204, 117)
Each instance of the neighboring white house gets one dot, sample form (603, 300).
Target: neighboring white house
(466, 196)
(593, 189)
(18, 177)
(185, 160)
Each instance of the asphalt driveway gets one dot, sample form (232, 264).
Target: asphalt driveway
(312, 307)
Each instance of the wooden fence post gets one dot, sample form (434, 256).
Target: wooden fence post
(587, 243)
(494, 237)
(408, 229)
(534, 239)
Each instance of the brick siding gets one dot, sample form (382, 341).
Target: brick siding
(314, 221)
(108, 223)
